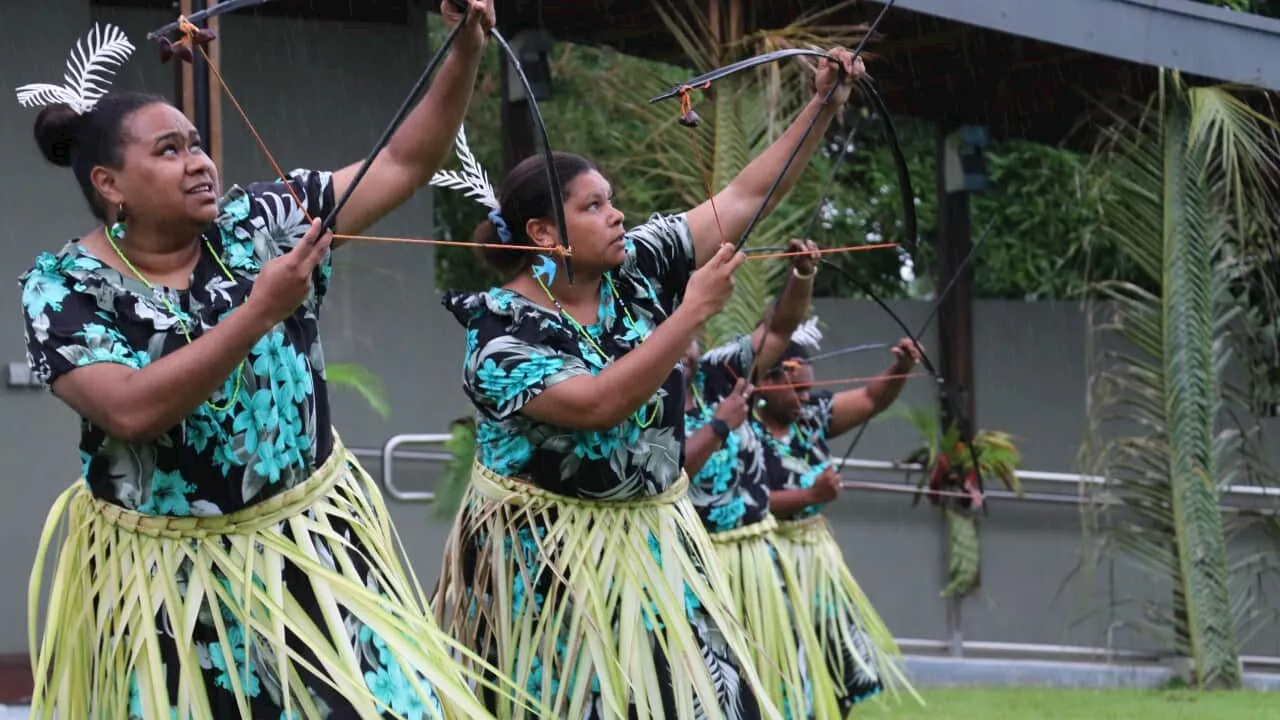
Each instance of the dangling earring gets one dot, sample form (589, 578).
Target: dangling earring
(544, 270)
(117, 228)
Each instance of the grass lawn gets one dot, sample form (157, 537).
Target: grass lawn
(1054, 704)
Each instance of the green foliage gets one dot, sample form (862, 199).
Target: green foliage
(963, 553)
(1270, 8)
(949, 477)
(1038, 209)
(1186, 197)
(456, 476)
(355, 376)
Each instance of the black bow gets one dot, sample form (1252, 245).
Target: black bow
(910, 226)
(557, 190)
(907, 193)
(690, 119)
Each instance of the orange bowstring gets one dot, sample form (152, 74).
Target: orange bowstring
(822, 251)
(841, 381)
(686, 108)
(189, 30)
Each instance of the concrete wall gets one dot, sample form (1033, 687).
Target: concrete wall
(320, 93)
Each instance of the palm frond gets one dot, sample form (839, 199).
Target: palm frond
(87, 77)
(359, 378)
(452, 486)
(1187, 187)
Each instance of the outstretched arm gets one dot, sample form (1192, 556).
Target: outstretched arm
(736, 204)
(420, 145)
(851, 408)
(792, 306)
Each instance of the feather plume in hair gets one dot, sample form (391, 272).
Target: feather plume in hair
(808, 335)
(472, 179)
(88, 73)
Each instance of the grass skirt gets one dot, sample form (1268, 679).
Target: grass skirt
(315, 614)
(599, 609)
(861, 655)
(776, 616)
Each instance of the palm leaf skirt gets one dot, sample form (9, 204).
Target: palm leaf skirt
(315, 614)
(861, 655)
(599, 609)
(776, 616)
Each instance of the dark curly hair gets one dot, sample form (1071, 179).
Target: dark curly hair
(81, 142)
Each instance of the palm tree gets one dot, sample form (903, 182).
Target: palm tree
(1187, 196)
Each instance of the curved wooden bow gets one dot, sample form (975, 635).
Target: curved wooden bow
(906, 191)
(194, 38)
(910, 224)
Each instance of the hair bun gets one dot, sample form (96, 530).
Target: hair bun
(56, 128)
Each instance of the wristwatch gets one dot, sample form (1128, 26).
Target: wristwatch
(720, 428)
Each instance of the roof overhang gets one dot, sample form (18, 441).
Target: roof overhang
(1193, 37)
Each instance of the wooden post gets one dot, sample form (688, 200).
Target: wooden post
(201, 101)
(518, 141)
(955, 326)
(213, 141)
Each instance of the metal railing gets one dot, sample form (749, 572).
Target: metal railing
(1062, 498)
(389, 456)
(391, 452)
(1048, 477)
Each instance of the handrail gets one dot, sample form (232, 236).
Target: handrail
(1051, 477)
(388, 456)
(388, 461)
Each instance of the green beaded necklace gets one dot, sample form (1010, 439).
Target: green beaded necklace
(115, 232)
(614, 296)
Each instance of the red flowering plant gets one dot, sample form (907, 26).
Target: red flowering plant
(950, 483)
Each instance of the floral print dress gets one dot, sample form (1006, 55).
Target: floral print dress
(730, 491)
(262, 433)
(516, 349)
(794, 462)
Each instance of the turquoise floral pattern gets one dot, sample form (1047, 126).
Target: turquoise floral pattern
(729, 490)
(517, 349)
(254, 443)
(795, 461)
(79, 311)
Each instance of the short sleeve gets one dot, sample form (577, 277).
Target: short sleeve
(722, 366)
(661, 251)
(503, 372)
(66, 327)
(816, 413)
(274, 211)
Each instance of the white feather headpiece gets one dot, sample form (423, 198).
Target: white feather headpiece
(472, 179)
(808, 335)
(88, 72)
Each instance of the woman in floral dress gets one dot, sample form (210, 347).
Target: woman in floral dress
(224, 555)
(795, 425)
(729, 489)
(577, 563)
